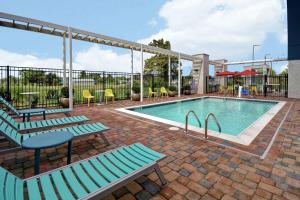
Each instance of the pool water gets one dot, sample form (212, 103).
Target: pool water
(234, 115)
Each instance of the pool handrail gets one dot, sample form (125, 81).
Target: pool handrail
(206, 123)
(187, 119)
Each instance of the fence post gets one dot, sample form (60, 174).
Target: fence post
(286, 82)
(181, 86)
(7, 84)
(207, 89)
(265, 85)
(233, 81)
(152, 82)
(103, 81)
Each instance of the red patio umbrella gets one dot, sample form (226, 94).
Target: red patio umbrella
(246, 73)
(226, 73)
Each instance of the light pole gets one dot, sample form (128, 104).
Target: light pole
(265, 63)
(253, 47)
(266, 57)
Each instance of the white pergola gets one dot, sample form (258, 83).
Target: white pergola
(212, 62)
(29, 24)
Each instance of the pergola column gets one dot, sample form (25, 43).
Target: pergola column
(142, 74)
(131, 78)
(169, 71)
(179, 76)
(200, 71)
(70, 70)
(221, 68)
(64, 61)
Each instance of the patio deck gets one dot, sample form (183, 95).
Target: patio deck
(195, 169)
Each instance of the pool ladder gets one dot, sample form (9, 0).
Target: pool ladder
(187, 119)
(206, 121)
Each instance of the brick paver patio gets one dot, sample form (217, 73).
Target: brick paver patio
(195, 169)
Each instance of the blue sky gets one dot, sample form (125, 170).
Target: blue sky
(141, 20)
(123, 19)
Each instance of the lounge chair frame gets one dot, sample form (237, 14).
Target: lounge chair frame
(18, 146)
(42, 128)
(147, 169)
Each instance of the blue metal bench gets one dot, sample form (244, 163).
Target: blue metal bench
(81, 130)
(33, 112)
(92, 178)
(43, 124)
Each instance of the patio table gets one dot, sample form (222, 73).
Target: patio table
(47, 140)
(29, 94)
(100, 97)
(27, 113)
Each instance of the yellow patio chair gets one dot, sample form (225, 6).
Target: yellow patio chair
(87, 95)
(108, 93)
(253, 90)
(163, 92)
(151, 93)
(221, 89)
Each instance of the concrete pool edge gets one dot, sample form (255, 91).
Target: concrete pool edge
(243, 138)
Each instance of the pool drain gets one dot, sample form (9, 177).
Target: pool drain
(173, 128)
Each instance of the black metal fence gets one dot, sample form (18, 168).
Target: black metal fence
(255, 85)
(47, 84)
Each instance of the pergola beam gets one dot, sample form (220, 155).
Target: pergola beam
(214, 62)
(256, 61)
(59, 30)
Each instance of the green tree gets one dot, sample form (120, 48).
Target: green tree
(52, 79)
(272, 72)
(159, 63)
(32, 76)
(83, 75)
(284, 72)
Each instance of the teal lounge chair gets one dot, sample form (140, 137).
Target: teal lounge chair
(17, 138)
(92, 178)
(43, 124)
(22, 113)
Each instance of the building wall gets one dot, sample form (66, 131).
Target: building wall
(293, 15)
(293, 29)
(294, 79)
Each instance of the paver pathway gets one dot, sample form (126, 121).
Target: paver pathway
(195, 169)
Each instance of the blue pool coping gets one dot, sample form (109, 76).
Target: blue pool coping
(197, 98)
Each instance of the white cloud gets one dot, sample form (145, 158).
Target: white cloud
(218, 27)
(281, 68)
(27, 60)
(221, 28)
(152, 22)
(93, 58)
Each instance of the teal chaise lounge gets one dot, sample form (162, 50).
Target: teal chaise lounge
(43, 124)
(21, 113)
(92, 178)
(17, 138)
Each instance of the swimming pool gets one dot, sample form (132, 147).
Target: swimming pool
(241, 119)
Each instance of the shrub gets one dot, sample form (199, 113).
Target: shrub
(64, 92)
(173, 88)
(2, 92)
(34, 101)
(52, 94)
(136, 89)
(187, 87)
